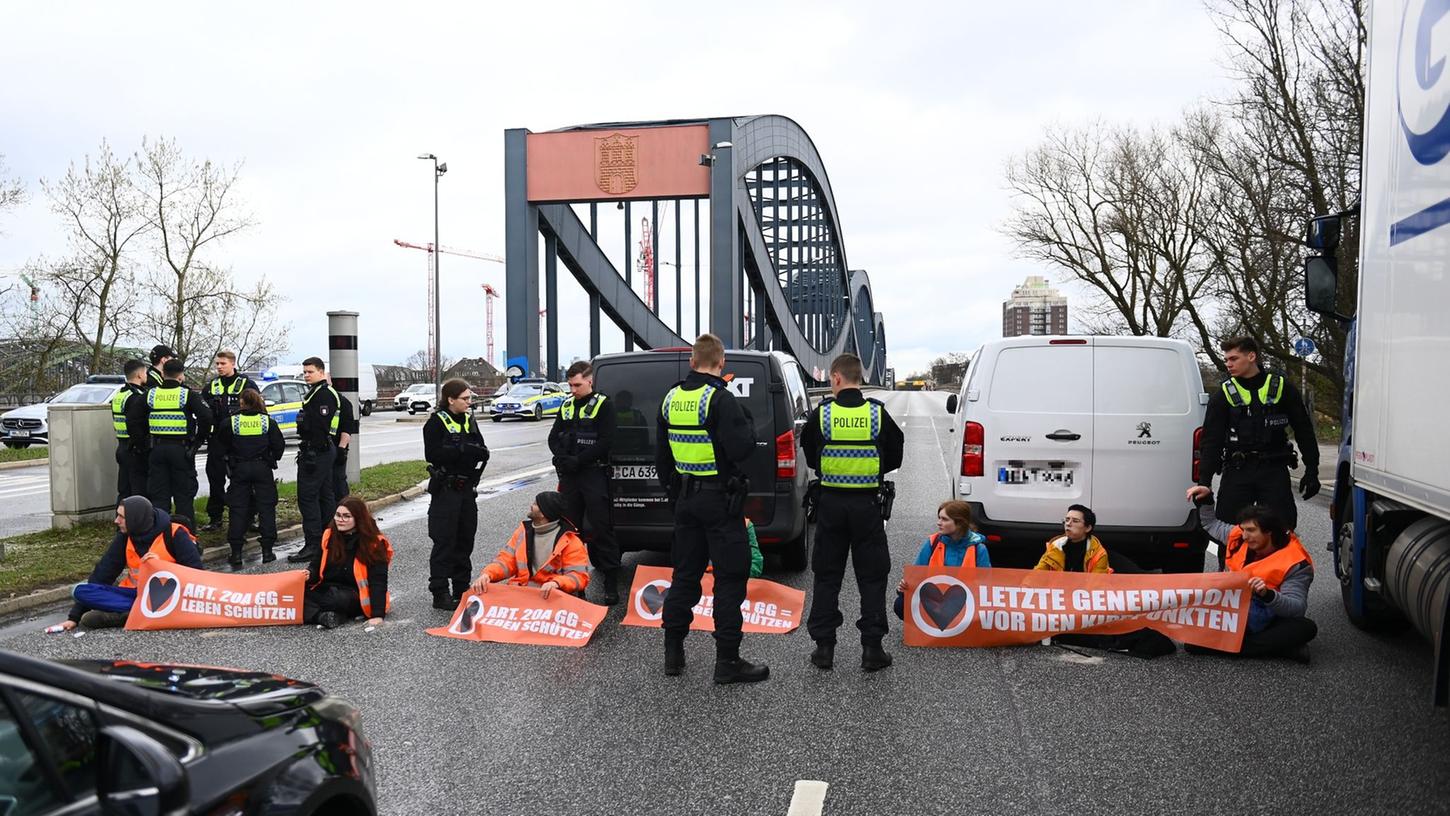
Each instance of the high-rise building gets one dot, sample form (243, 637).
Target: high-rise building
(1035, 308)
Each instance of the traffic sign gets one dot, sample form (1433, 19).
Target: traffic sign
(1303, 346)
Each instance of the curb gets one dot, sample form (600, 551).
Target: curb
(212, 555)
(24, 463)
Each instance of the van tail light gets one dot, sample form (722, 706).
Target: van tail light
(785, 455)
(972, 439)
(1197, 452)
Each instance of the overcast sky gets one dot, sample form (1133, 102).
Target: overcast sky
(915, 108)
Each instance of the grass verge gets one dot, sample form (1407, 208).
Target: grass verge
(24, 454)
(53, 557)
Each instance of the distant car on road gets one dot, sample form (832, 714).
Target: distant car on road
(418, 396)
(531, 398)
(28, 426)
(118, 736)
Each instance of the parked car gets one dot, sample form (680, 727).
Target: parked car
(531, 398)
(770, 384)
(283, 398)
(117, 736)
(1112, 423)
(26, 426)
(419, 393)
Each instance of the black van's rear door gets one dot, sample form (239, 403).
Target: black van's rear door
(749, 380)
(637, 385)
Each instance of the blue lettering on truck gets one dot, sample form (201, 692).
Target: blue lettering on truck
(1422, 87)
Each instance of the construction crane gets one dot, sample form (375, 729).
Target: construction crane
(647, 262)
(432, 272)
(490, 294)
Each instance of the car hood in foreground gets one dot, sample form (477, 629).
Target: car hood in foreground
(257, 693)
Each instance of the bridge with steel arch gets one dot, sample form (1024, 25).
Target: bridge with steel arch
(750, 234)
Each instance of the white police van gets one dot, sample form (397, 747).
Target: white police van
(1112, 423)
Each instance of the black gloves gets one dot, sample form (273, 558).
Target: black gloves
(1309, 486)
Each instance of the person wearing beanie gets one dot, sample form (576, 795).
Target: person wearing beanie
(544, 552)
(141, 530)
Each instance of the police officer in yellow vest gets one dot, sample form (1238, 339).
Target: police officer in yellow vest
(254, 445)
(176, 418)
(1245, 436)
(704, 437)
(128, 420)
(223, 395)
(851, 442)
(456, 455)
(580, 441)
(317, 428)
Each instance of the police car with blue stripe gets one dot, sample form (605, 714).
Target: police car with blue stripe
(532, 398)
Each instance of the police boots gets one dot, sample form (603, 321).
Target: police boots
(609, 582)
(234, 560)
(443, 600)
(740, 671)
(873, 657)
(824, 655)
(268, 556)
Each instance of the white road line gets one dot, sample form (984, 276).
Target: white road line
(11, 494)
(809, 798)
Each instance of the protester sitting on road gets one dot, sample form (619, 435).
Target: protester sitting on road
(348, 577)
(140, 528)
(948, 546)
(1280, 572)
(1078, 550)
(544, 551)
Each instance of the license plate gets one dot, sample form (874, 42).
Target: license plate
(20, 434)
(1060, 477)
(636, 472)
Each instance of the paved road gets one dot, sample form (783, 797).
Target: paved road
(25, 492)
(494, 729)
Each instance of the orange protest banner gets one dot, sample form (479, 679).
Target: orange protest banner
(769, 608)
(175, 597)
(515, 614)
(1001, 607)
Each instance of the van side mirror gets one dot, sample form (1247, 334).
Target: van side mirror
(1322, 234)
(1321, 286)
(952, 403)
(138, 774)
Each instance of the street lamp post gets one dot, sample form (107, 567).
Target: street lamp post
(438, 170)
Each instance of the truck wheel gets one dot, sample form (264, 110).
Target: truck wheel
(1378, 614)
(793, 553)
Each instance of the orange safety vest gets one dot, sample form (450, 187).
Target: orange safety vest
(133, 558)
(568, 566)
(939, 553)
(359, 574)
(1272, 567)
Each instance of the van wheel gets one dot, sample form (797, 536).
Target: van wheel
(367, 408)
(793, 553)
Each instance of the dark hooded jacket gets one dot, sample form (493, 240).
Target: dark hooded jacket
(113, 560)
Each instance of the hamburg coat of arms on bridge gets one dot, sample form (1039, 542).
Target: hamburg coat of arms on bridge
(616, 163)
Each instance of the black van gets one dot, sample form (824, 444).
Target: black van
(769, 383)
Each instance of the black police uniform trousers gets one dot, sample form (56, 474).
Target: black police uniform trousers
(452, 525)
(253, 490)
(131, 470)
(707, 533)
(216, 480)
(848, 523)
(586, 504)
(340, 487)
(171, 477)
(315, 497)
(1256, 481)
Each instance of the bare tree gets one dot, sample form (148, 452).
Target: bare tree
(1112, 209)
(12, 191)
(192, 207)
(104, 217)
(1284, 147)
(244, 322)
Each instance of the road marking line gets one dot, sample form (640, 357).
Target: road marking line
(809, 798)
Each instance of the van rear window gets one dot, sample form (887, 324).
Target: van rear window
(1043, 380)
(638, 388)
(1139, 380)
